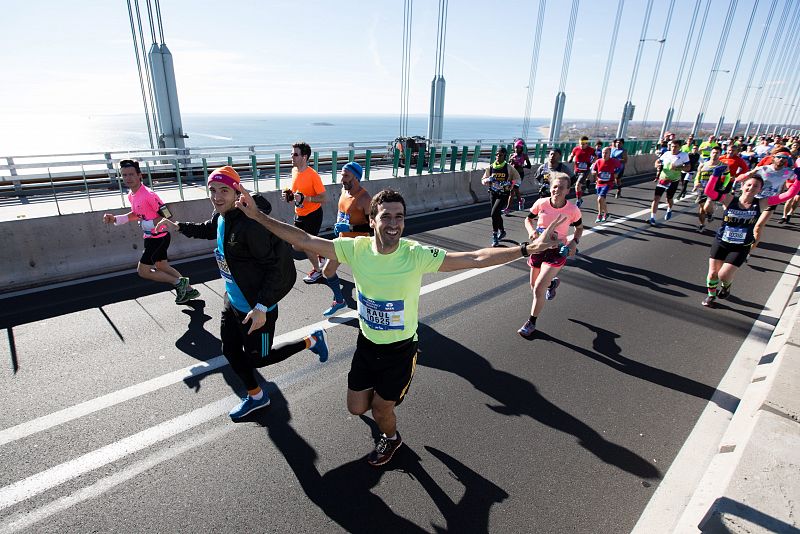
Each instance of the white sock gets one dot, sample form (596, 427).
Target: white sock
(394, 437)
(311, 342)
(258, 395)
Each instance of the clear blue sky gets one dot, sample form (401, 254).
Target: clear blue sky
(344, 57)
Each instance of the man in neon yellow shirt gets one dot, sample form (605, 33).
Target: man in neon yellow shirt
(388, 273)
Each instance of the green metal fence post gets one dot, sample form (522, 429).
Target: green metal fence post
(464, 151)
(351, 156)
(367, 165)
(453, 159)
(476, 156)
(316, 162)
(254, 170)
(230, 161)
(178, 174)
(407, 162)
(493, 154)
(278, 172)
(443, 163)
(432, 161)
(420, 162)
(334, 165)
(205, 173)
(150, 176)
(395, 162)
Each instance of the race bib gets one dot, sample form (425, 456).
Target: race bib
(582, 165)
(604, 176)
(663, 182)
(381, 314)
(224, 270)
(735, 236)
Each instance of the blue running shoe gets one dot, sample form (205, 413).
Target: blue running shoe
(320, 347)
(668, 216)
(579, 202)
(495, 240)
(550, 294)
(336, 306)
(652, 221)
(248, 405)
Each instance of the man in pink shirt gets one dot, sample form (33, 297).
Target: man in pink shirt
(146, 208)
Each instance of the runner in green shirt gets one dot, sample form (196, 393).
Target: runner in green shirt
(388, 270)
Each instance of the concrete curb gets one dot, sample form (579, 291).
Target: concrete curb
(763, 489)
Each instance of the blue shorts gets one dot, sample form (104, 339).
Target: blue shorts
(602, 190)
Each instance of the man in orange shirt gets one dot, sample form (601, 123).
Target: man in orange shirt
(308, 194)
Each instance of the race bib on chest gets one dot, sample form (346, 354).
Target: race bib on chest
(605, 176)
(582, 165)
(663, 182)
(381, 314)
(224, 270)
(733, 235)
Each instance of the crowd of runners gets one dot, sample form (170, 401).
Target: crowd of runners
(254, 251)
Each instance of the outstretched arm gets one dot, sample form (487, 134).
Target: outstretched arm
(486, 257)
(774, 200)
(291, 234)
(710, 190)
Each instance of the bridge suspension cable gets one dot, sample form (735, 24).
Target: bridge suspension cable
(627, 111)
(784, 88)
(712, 76)
(141, 78)
(609, 61)
(537, 38)
(406, 66)
(690, 72)
(734, 75)
(657, 67)
(561, 97)
(667, 124)
(754, 66)
(768, 66)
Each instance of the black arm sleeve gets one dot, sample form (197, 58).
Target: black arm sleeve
(203, 230)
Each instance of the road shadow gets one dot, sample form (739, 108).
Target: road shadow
(648, 279)
(518, 397)
(196, 341)
(345, 494)
(608, 352)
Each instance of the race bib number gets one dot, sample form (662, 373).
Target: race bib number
(381, 314)
(604, 176)
(224, 270)
(663, 182)
(735, 236)
(582, 165)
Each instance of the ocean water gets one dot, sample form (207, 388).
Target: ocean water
(40, 135)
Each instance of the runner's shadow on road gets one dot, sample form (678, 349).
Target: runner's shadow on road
(608, 352)
(344, 493)
(648, 279)
(518, 397)
(198, 342)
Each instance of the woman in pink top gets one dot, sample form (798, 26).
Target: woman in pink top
(545, 265)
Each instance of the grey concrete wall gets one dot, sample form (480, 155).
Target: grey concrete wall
(52, 249)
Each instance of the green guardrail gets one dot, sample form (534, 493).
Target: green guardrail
(432, 161)
(464, 151)
(420, 162)
(316, 162)
(334, 165)
(278, 172)
(443, 163)
(367, 164)
(395, 162)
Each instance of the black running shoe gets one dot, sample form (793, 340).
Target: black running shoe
(384, 450)
(723, 291)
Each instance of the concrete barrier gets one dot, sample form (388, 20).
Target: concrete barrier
(45, 250)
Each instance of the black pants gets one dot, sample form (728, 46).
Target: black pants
(247, 352)
(499, 201)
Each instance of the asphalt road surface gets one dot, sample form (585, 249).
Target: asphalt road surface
(115, 400)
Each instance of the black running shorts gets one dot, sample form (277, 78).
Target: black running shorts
(388, 368)
(155, 249)
(728, 253)
(310, 223)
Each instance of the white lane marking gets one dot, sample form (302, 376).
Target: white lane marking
(26, 519)
(673, 494)
(66, 415)
(50, 478)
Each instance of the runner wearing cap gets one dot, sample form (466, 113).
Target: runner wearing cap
(669, 167)
(352, 220)
(258, 271)
(519, 160)
(620, 154)
(499, 177)
(582, 157)
(146, 207)
(606, 172)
